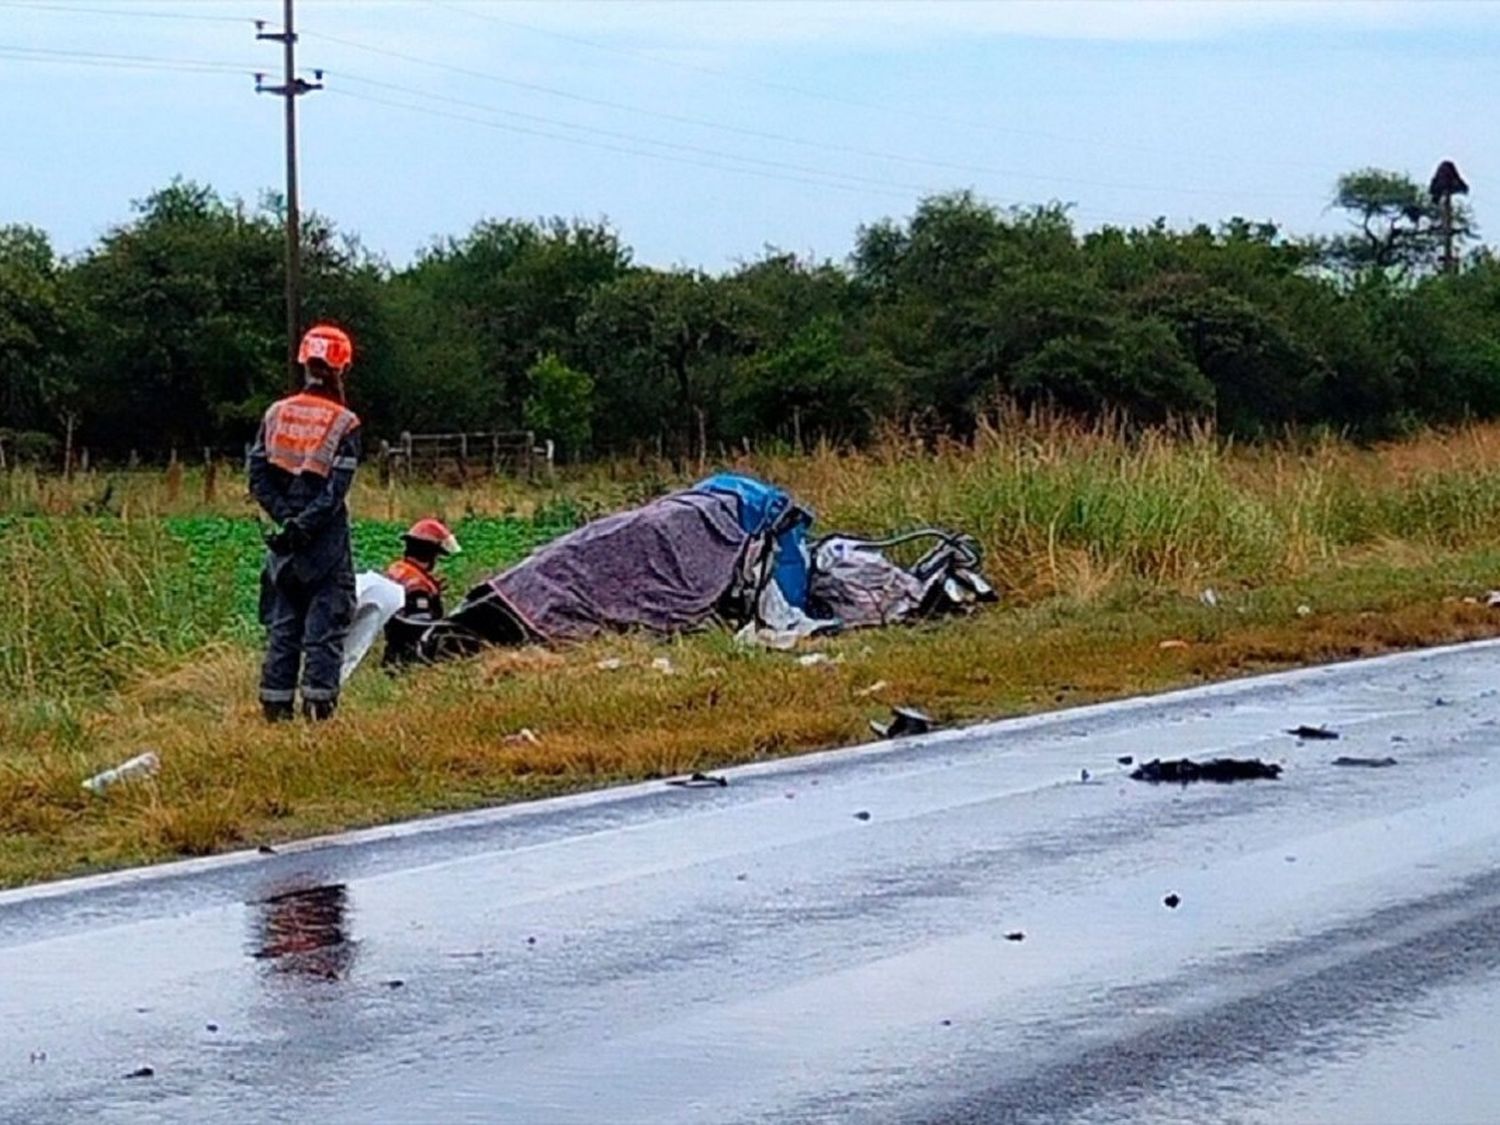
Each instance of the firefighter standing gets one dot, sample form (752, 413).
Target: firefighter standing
(427, 541)
(301, 467)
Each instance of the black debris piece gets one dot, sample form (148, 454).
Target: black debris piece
(1015, 935)
(700, 781)
(1185, 770)
(862, 815)
(395, 984)
(142, 1072)
(741, 877)
(531, 941)
(1398, 738)
(904, 721)
(1083, 776)
(1126, 759)
(266, 849)
(947, 1023)
(213, 1027)
(1368, 763)
(1313, 733)
(1172, 902)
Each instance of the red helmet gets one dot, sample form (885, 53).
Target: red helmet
(435, 532)
(331, 345)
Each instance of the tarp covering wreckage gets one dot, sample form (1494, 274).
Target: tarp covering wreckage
(732, 549)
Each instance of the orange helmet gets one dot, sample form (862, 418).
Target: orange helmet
(331, 345)
(435, 532)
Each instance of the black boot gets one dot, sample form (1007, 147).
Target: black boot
(277, 712)
(316, 710)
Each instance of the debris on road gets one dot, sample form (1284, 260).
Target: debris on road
(1185, 770)
(862, 815)
(904, 721)
(1015, 935)
(1126, 759)
(142, 765)
(1313, 733)
(1172, 902)
(1083, 776)
(266, 849)
(699, 781)
(394, 984)
(142, 1072)
(1368, 763)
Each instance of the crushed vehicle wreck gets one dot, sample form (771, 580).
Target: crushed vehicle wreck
(731, 550)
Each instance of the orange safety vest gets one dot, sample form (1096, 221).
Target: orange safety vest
(303, 433)
(413, 577)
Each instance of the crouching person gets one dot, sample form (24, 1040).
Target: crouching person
(301, 468)
(427, 541)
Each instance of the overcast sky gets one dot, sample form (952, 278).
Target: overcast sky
(705, 131)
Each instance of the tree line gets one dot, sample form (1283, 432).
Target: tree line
(168, 331)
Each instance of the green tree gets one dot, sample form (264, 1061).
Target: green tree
(486, 305)
(661, 345)
(1396, 231)
(37, 338)
(559, 404)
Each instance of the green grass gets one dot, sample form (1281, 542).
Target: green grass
(137, 629)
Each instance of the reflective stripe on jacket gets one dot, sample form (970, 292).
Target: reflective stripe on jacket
(413, 577)
(303, 434)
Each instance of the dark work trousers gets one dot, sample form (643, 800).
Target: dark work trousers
(306, 623)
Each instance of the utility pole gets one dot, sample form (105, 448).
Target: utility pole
(290, 90)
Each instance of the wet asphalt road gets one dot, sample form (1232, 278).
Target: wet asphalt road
(762, 953)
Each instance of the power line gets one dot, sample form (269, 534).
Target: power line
(821, 95)
(22, 53)
(683, 119)
(891, 191)
(697, 150)
(132, 12)
(605, 146)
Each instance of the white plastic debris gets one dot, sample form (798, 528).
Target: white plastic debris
(1209, 597)
(525, 734)
(1304, 611)
(1492, 599)
(664, 666)
(812, 659)
(611, 664)
(782, 640)
(377, 600)
(142, 765)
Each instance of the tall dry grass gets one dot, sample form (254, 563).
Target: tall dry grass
(1061, 508)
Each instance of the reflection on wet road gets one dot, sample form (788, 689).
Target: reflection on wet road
(958, 928)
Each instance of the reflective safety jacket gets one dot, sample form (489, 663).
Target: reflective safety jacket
(424, 605)
(303, 433)
(301, 468)
(424, 593)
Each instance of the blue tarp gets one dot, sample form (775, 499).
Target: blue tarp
(765, 509)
